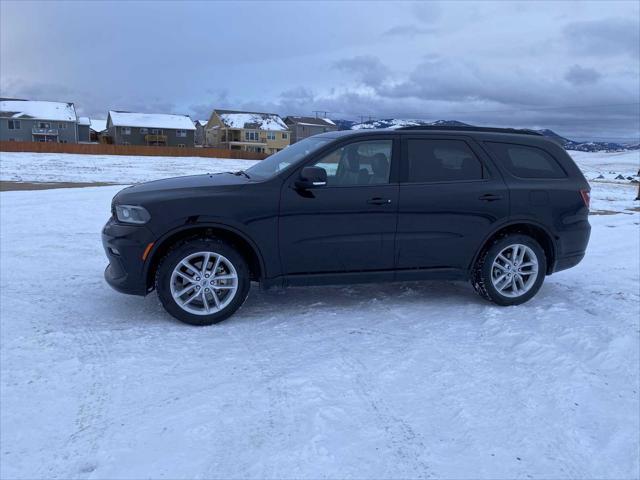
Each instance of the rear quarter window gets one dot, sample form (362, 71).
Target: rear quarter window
(525, 161)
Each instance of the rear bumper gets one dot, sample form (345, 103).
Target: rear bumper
(572, 246)
(124, 246)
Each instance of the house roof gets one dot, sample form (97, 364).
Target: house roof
(320, 122)
(151, 120)
(84, 121)
(251, 120)
(38, 109)
(98, 125)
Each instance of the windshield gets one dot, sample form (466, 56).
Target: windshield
(277, 162)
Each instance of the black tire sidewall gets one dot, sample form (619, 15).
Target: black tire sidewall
(493, 252)
(165, 269)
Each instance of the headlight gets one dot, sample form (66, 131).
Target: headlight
(132, 214)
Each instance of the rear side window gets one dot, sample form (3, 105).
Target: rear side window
(441, 161)
(526, 162)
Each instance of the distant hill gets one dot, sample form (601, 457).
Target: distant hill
(568, 144)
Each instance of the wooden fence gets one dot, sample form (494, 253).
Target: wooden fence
(134, 150)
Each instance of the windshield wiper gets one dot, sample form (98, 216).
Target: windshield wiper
(241, 172)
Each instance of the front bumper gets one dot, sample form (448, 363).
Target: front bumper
(124, 246)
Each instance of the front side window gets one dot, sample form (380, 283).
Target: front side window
(62, 125)
(144, 131)
(251, 136)
(271, 135)
(14, 124)
(441, 161)
(524, 161)
(181, 133)
(156, 131)
(126, 131)
(285, 135)
(44, 125)
(359, 163)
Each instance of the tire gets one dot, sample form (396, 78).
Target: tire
(180, 278)
(487, 276)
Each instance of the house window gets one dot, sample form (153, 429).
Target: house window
(271, 135)
(251, 136)
(14, 124)
(44, 125)
(125, 130)
(181, 133)
(285, 135)
(156, 131)
(144, 131)
(62, 125)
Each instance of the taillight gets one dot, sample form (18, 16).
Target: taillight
(586, 197)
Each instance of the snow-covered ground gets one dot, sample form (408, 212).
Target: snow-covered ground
(67, 167)
(411, 380)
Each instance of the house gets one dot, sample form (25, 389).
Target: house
(248, 131)
(38, 121)
(97, 129)
(160, 129)
(303, 127)
(84, 129)
(199, 134)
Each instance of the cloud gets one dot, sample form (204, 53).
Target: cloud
(611, 36)
(577, 75)
(366, 68)
(408, 31)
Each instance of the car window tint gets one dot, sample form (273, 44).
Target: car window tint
(441, 161)
(359, 163)
(526, 162)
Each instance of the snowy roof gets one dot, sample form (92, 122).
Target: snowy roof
(321, 122)
(98, 124)
(84, 121)
(202, 123)
(37, 109)
(151, 120)
(253, 120)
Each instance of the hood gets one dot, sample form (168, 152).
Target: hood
(180, 185)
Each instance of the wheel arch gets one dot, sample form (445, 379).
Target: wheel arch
(246, 247)
(535, 230)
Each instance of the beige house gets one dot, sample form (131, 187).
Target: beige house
(248, 131)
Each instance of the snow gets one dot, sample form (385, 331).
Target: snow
(37, 109)
(84, 121)
(151, 120)
(55, 167)
(409, 380)
(259, 121)
(98, 124)
(329, 121)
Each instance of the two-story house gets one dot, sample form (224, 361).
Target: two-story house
(38, 121)
(303, 127)
(248, 131)
(159, 129)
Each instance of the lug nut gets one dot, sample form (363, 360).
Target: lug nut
(206, 276)
(197, 279)
(206, 289)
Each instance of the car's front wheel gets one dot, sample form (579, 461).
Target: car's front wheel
(511, 270)
(202, 281)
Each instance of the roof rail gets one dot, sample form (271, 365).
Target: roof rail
(471, 129)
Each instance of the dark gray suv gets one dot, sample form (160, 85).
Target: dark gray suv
(502, 208)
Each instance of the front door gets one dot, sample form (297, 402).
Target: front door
(450, 199)
(349, 224)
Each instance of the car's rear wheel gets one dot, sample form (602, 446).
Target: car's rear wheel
(511, 270)
(202, 281)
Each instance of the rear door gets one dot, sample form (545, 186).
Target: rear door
(450, 198)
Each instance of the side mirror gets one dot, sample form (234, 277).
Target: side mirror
(311, 177)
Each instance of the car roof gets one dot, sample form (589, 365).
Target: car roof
(483, 134)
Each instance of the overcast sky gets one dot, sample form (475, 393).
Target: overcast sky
(573, 67)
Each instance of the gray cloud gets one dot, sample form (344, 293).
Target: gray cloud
(609, 36)
(366, 68)
(578, 75)
(408, 31)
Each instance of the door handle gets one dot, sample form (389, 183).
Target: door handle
(490, 197)
(378, 201)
